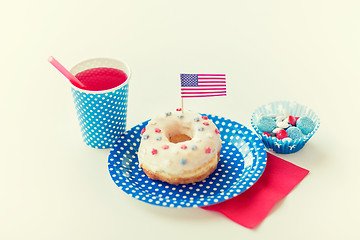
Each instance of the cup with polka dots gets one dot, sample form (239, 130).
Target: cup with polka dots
(101, 105)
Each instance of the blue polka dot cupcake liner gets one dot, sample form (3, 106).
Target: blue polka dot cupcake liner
(101, 114)
(242, 161)
(294, 109)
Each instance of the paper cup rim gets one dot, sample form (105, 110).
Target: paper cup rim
(107, 90)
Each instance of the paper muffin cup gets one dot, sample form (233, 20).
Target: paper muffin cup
(296, 110)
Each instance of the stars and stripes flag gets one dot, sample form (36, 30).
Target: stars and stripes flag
(203, 85)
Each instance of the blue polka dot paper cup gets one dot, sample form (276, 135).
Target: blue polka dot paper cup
(101, 114)
(279, 107)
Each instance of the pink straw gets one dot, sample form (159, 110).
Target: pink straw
(65, 72)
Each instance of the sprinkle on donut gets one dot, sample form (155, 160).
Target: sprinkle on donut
(165, 147)
(154, 151)
(157, 130)
(183, 161)
(183, 146)
(206, 123)
(207, 150)
(217, 131)
(143, 130)
(146, 136)
(204, 117)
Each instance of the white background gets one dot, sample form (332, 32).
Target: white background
(52, 186)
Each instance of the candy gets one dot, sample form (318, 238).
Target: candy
(157, 130)
(305, 124)
(280, 117)
(183, 146)
(193, 147)
(266, 124)
(154, 151)
(204, 117)
(282, 124)
(207, 150)
(206, 123)
(267, 134)
(178, 109)
(165, 147)
(217, 131)
(143, 130)
(292, 120)
(294, 133)
(183, 161)
(281, 134)
(276, 130)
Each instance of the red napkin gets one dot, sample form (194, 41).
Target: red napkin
(250, 208)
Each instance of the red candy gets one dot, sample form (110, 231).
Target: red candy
(143, 130)
(206, 123)
(207, 150)
(154, 151)
(183, 146)
(267, 134)
(157, 130)
(204, 117)
(281, 134)
(292, 120)
(217, 131)
(178, 109)
(165, 147)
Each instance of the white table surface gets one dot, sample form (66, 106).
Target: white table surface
(52, 186)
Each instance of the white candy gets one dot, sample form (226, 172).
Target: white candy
(280, 117)
(276, 130)
(282, 124)
(287, 139)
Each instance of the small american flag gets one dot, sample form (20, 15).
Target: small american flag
(203, 85)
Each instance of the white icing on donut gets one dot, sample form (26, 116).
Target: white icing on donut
(157, 153)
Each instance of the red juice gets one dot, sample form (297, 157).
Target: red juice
(102, 78)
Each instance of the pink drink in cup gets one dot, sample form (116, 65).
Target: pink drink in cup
(102, 104)
(101, 78)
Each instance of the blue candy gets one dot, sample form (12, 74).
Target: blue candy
(305, 124)
(266, 124)
(294, 133)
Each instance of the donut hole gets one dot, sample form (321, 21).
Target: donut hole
(179, 133)
(179, 138)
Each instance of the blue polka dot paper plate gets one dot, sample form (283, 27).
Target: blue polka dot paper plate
(242, 162)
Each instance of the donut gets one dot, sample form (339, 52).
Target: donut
(179, 147)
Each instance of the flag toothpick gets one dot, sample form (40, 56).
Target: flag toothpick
(202, 85)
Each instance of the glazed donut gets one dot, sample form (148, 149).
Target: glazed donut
(179, 147)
